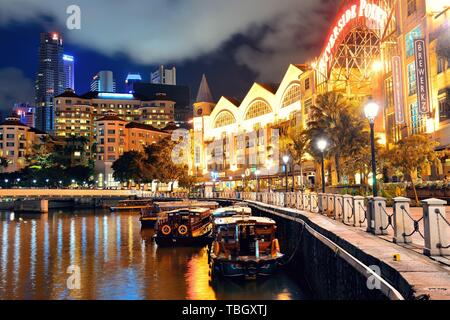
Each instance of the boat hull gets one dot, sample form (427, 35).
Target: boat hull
(171, 241)
(148, 222)
(246, 269)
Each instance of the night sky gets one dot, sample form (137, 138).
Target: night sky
(234, 42)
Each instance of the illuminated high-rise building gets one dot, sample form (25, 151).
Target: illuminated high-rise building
(50, 79)
(131, 79)
(164, 76)
(69, 71)
(103, 81)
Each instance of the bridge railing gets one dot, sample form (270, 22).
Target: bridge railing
(367, 212)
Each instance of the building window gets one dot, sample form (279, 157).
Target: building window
(441, 65)
(292, 96)
(307, 84)
(444, 109)
(224, 119)
(9, 136)
(10, 144)
(418, 121)
(410, 37)
(412, 7)
(412, 85)
(111, 140)
(308, 105)
(258, 109)
(111, 131)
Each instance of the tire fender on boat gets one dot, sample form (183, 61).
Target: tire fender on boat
(182, 230)
(166, 230)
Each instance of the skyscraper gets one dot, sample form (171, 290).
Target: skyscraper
(69, 71)
(164, 76)
(132, 78)
(50, 79)
(103, 81)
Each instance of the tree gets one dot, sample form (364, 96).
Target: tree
(295, 143)
(3, 163)
(411, 154)
(340, 121)
(133, 166)
(159, 156)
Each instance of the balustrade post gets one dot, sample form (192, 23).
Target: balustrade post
(403, 224)
(322, 203)
(347, 210)
(359, 213)
(314, 202)
(299, 196)
(305, 202)
(338, 207)
(330, 204)
(436, 228)
(377, 217)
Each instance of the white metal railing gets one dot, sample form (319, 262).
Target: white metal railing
(368, 212)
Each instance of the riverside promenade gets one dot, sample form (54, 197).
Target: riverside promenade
(409, 246)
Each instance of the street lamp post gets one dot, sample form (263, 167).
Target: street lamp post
(322, 145)
(286, 161)
(371, 112)
(243, 182)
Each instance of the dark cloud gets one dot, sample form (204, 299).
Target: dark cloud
(162, 31)
(14, 87)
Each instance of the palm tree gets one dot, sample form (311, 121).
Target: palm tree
(338, 120)
(295, 143)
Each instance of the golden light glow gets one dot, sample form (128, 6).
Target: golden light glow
(437, 6)
(377, 66)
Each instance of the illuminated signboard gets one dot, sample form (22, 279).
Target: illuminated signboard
(373, 13)
(398, 89)
(422, 76)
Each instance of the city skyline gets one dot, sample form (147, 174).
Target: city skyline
(217, 62)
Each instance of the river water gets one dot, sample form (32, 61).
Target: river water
(42, 256)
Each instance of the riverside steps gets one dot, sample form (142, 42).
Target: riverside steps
(358, 248)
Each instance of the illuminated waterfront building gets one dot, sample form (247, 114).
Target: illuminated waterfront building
(116, 136)
(250, 126)
(76, 116)
(369, 53)
(16, 142)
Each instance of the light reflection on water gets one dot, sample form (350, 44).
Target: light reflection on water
(117, 261)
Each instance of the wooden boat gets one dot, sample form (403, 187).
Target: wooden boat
(149, 214)
(132, 205)
(175, 205)
(232, 211)
(245, 247)
(189, 226)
